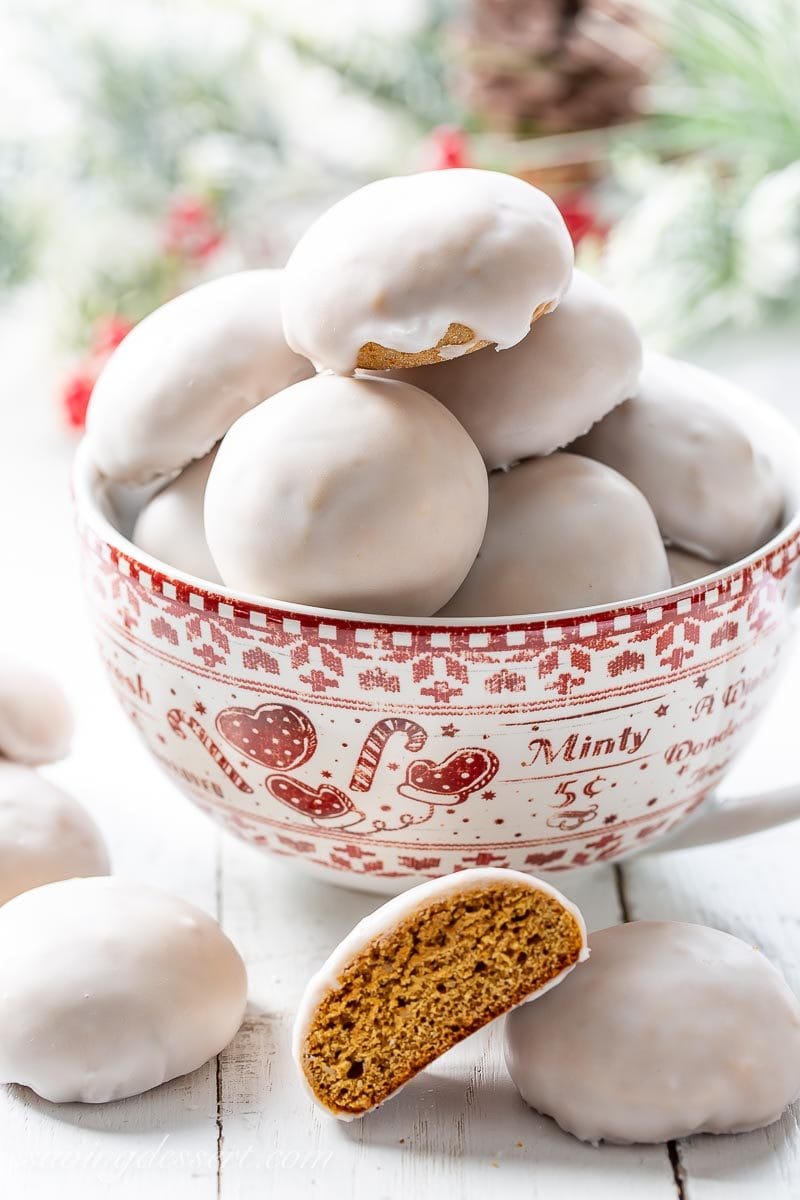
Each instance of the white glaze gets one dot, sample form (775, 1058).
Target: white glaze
(109, 988)
(563, 532)
(391, 914)
(680, 441)
(669, 1030)
(573, 367)
(685, 567)
(45, 835)
(170, 526)
(186, 372)
(400, 259)
(359, 494)
(35, 718)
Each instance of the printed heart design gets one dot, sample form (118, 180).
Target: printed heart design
(455, 778)
(321, 803)
(274, 735)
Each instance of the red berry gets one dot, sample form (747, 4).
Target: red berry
(449, 148)
(75, 398)
(191, 230)
(580, 217)
(108, 332)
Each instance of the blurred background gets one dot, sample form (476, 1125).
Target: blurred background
(145, 147)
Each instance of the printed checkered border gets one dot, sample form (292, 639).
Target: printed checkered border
(624, 618)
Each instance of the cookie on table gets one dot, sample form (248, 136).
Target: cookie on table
(109, 988)
(422, 268)
(685, 567)
(563, 532)
(668, 1030)
(358, 494)
(36, 722)
(184, 374)
(45, 835)
(573, 367)
(712, 491)
(423, 972)
(170, 525)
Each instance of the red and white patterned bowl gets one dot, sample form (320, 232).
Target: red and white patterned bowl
(378, 752)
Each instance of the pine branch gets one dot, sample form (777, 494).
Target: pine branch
(413, 80)
(731, 84)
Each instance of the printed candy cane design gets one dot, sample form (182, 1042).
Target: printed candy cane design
(177, 719)
(375, 744)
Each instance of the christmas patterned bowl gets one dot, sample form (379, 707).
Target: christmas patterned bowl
(378, 752)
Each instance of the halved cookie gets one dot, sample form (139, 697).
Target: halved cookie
(425, 971)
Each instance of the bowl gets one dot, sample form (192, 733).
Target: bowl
(378, 752)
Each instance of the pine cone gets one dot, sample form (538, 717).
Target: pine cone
(550, 66)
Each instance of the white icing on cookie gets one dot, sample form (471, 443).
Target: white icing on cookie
(574, 366)
(388, 916)
(186, 372)
(35, 717)
(667, 1031)
(398, 261)
(359, 494)
(170, 526)
(109, 988)
(563, 532)
(685, 567)
(678, 440)
(45, 835)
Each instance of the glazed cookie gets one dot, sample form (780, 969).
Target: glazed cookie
(359, 494)
(166, 990)
(712, 492)
(685, 567)
(45, 835)
(573, 367)
(170, 526)
(35, 718)
(563, 532)
(186, 372)
(423, 972)
(422, 268)
(669, 1030)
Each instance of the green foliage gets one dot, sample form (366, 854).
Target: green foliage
(703, 229)
(412, 78)
(731, 84)
(142, 108)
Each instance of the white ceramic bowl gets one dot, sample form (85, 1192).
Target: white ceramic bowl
(378, 752)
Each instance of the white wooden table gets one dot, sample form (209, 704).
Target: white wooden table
(241, 1126)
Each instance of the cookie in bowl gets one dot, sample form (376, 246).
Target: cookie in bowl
(574, 366)
(358, 494)
(563, 532)
(170, 525)
(714, 493)
(185, 373)
(422, 268)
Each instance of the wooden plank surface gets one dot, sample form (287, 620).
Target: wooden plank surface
(165, 1141)
(242, 1127)
(750, 888)
(459, 1129)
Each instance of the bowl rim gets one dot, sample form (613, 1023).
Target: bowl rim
(87, 479)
